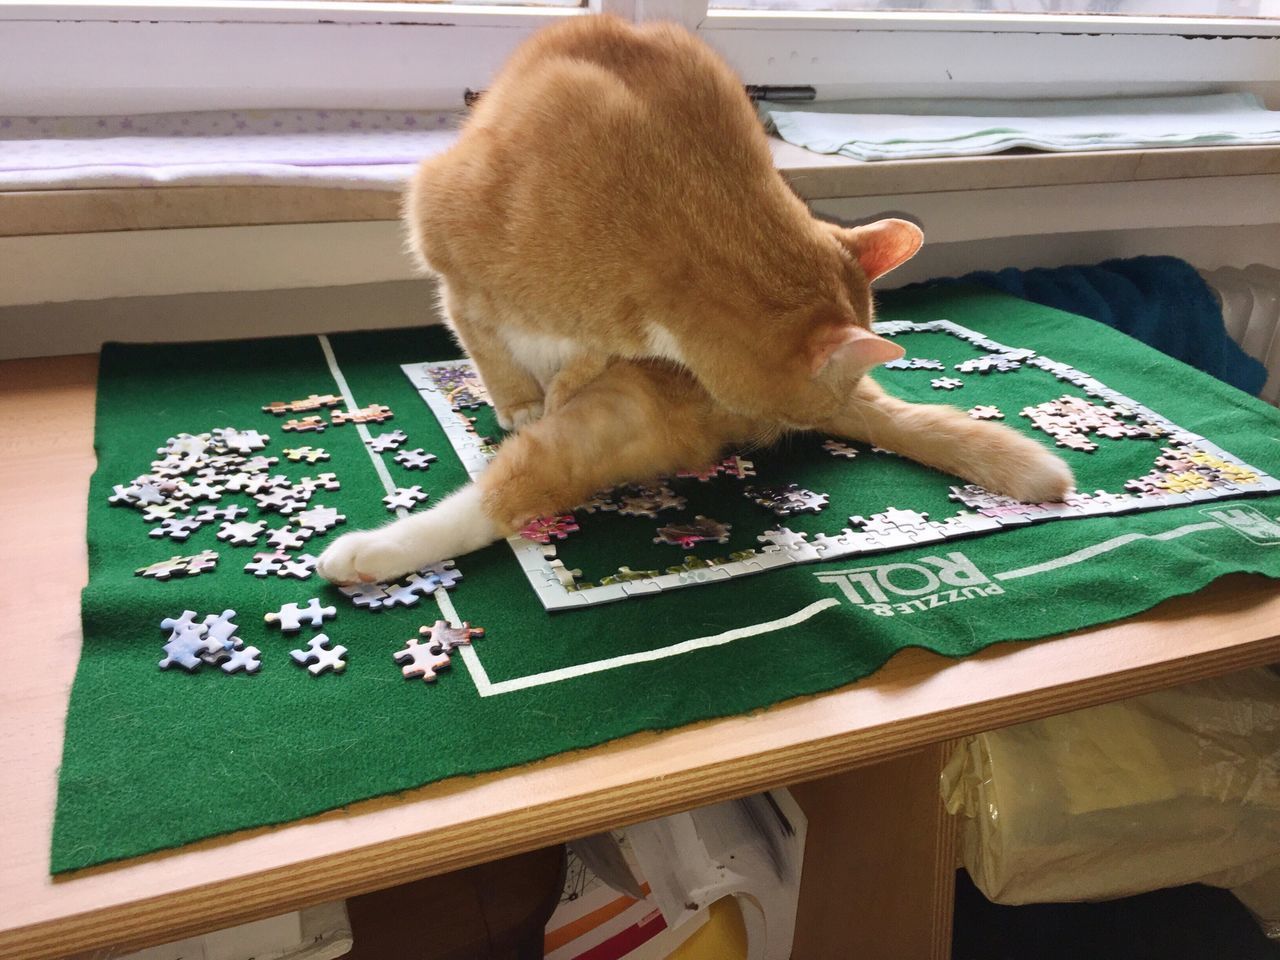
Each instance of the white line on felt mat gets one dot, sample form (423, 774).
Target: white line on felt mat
(1106, 546)
(686, 646)
(441, 596)
(345, 389)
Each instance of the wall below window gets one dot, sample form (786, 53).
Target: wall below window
(81, 326)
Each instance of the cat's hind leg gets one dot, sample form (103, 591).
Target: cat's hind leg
(515, 392)
(946, 438)
(633, 423)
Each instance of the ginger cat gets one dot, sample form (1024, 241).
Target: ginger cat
(639, 290)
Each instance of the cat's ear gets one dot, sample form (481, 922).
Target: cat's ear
(849, 344)
(883, 245)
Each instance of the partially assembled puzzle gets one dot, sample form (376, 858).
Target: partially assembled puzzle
(1081, 415)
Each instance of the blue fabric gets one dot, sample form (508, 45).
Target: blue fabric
(1161, 301)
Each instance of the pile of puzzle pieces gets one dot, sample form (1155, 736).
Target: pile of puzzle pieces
(374, 413)
(191, 484)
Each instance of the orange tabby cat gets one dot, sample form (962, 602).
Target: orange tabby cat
(639, 289)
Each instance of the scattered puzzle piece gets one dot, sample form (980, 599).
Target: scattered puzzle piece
(287, 538)
(300, 567)
(946, 383)
(317, 657)
(242, 532)
(265, 564)
(306, 425)
(309, 454)
(368, 595)
(185, 647)
(410, 592)
(419, 659)
(838, 448)
(179, 528)
(985, 412)
(208, 514)
(242, 658)
(313, 402)
(220, 631)
(415, 459)
(241, 441)
(448, 637)
(319, 518)
(387, 441)
(180, 566)
(321, 481)
(291, 617)
(374, 413)
(914, 363)
(404, 498)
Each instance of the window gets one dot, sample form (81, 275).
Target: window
(134, 56)
(1139, 8)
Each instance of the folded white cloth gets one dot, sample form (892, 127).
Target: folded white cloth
(910, 129)
(339, 148)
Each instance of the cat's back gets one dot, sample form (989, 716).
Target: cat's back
(595, 94)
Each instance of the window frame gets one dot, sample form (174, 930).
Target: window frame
(135, 56)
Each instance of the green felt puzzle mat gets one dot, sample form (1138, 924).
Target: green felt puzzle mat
(692, 597)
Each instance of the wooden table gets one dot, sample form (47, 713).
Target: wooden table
(867, 755)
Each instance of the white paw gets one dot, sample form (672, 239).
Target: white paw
(366, 556)
(513, 418)
(1035, 476)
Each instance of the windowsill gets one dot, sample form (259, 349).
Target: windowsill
(813, 176)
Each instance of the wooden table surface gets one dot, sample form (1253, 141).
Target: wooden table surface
(46, 457)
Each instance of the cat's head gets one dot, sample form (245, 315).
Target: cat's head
(829, 344)
(839, 340)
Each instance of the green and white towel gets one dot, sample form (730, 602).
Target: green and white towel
(911, 129)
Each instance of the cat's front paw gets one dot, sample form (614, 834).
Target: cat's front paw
(1033, 475)
(366, 556)
(517, 415)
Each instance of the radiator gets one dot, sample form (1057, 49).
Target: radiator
(1251, 311)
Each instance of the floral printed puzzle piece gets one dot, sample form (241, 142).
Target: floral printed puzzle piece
(419, 659)
(448, 637)
(543, 529)
(729, 466)
(313, 402)
(374, 413)
(788, 500)
(305, 425)
(698, 530)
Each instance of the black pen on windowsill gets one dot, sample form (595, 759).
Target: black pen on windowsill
(781, 94)
(754, 92)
